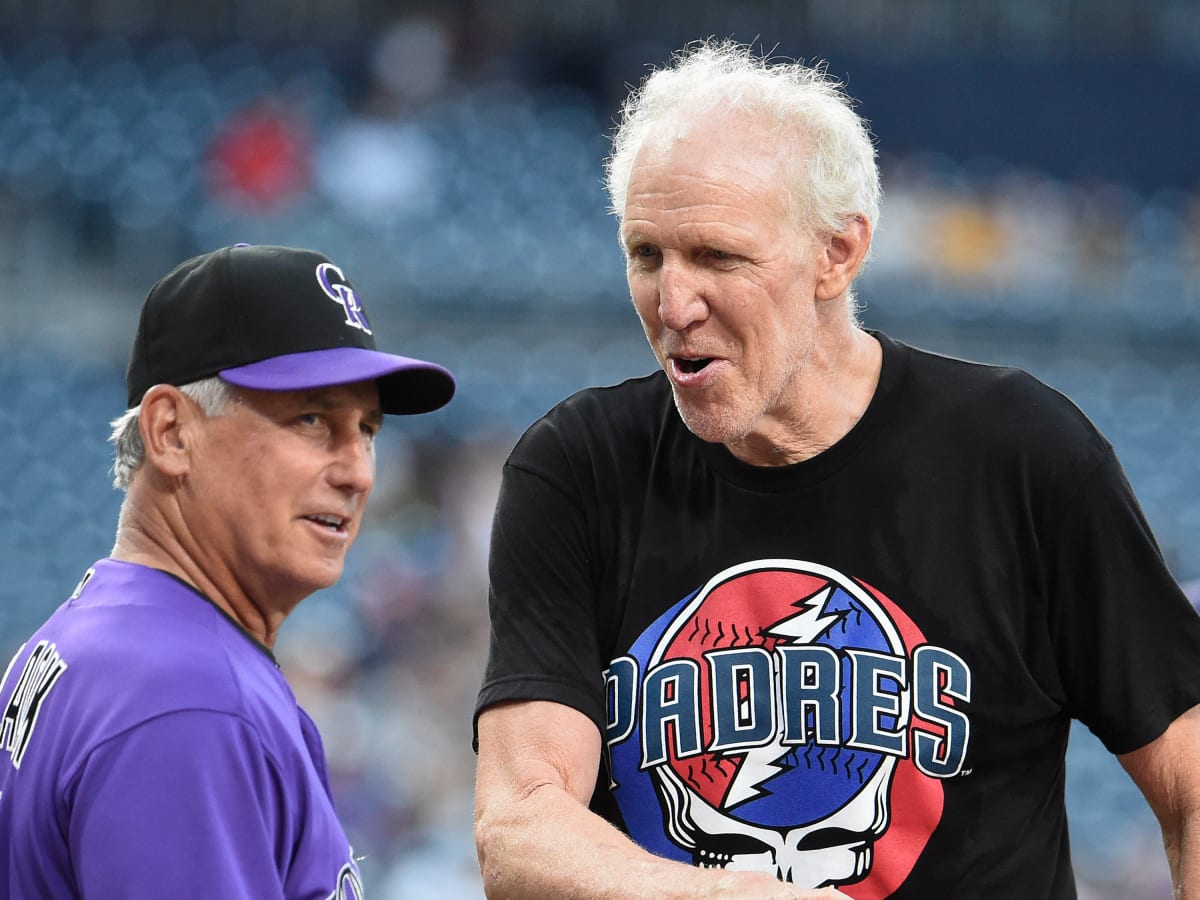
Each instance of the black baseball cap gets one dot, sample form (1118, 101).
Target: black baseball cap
(273, 319)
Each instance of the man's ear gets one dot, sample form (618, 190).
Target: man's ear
(165, 421)
(843, 256)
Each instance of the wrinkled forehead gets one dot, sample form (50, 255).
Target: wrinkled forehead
(700, 169)
(358, 397)
(738, 145)
(714, 117)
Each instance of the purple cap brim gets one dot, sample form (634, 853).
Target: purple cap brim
(406, 385)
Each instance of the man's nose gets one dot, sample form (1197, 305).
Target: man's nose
(682, 296)
(354, 469)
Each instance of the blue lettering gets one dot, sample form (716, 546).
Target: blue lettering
(795, 692)
(938, 673)
(872, 704)
(743, 700)
(669, 698)
(620, 689)
(811, 681)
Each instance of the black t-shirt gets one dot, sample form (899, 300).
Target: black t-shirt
(859, 669)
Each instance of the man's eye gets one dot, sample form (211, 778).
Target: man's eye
(644, 251)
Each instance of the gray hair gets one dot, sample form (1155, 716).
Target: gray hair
(212, 395)
(834, 182)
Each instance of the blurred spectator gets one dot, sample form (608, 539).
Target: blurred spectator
(379, 164)
(379, 170)
(411, 65)
(969, 241)
(260, 158)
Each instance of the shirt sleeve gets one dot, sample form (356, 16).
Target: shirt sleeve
(542, 598)
(186, 805)
(1126, 636)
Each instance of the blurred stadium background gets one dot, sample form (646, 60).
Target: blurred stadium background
(1042, 209)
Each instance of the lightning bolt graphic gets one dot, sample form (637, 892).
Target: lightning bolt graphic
(761, 763)
(810, 623)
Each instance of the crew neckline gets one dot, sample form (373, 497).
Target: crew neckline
(892, 373)
(195, 591)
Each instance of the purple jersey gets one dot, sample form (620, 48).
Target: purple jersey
(151, 748)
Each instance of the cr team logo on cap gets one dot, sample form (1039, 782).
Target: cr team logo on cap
(340, 291)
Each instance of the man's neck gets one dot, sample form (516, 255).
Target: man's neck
(836, 393)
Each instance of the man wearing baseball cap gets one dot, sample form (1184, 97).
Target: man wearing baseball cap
(150, 746)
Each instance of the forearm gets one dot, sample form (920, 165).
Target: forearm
(1182, 844)
(546, 844)
(1167, 770)
(536, 837)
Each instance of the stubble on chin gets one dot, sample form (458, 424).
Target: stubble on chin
(715, 423)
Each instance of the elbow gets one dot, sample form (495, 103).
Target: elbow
(485, 857)
(507, 848)
(489, 839)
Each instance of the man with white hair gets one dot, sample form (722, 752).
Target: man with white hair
(808, 609)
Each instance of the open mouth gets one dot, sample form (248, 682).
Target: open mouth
(333, 523)
(690, 366)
